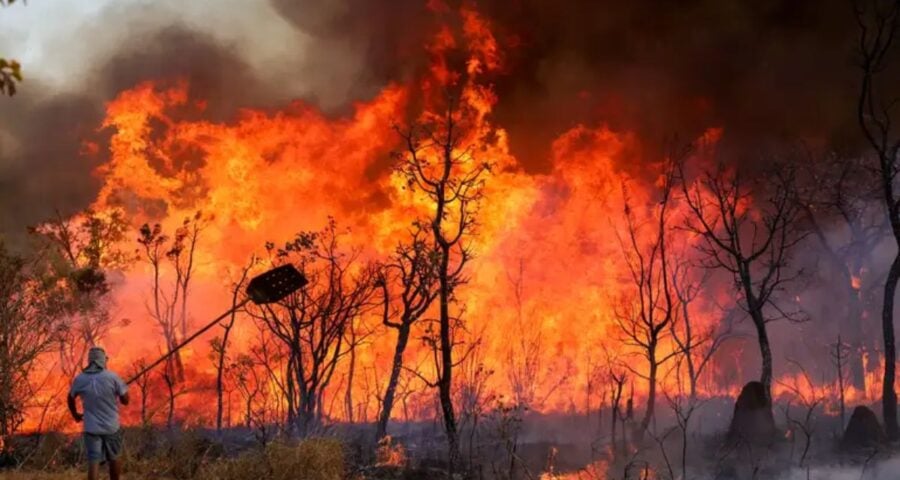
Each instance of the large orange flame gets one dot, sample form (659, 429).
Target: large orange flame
(549, 266)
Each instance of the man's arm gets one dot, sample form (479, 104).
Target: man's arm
(73, 409)
(122, 390)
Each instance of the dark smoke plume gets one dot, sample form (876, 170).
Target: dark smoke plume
(765, 71)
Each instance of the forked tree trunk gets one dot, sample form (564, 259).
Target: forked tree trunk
(388, 403)
(651, 393)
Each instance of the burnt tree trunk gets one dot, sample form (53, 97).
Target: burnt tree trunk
(220, 367)
(351, 372)
(755, 309)
(889, 394)
(765, 352)
(688, 357)
(388, 402)
(445, 382)
(651, 391)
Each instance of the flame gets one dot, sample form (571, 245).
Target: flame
(390, 453)
(266, 175)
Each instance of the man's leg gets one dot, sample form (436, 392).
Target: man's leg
(93, 450)
(93, 470)
(112, 450)
(115, 469)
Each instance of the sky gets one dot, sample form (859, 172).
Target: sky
(61, 42)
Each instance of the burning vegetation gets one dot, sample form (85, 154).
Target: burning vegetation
(637, 309)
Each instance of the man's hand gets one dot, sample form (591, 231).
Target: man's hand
(70, 400)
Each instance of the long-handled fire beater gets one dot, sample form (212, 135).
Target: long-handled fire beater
(268, 287)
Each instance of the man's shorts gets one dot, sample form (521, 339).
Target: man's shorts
(102, 448)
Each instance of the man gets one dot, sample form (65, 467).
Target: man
(99, 390)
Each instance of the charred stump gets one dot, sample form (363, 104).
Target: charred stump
(752, 421)
(863, 431)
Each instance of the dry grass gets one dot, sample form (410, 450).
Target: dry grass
(318, 459)
(315, 459)
(67, 475)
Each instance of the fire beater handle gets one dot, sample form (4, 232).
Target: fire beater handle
(269, 287)
(188, 340)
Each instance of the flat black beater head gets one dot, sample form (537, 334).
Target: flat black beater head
(275, 284)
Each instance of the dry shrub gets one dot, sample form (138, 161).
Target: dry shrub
(313, 459)
(49, 451)
(181, 455)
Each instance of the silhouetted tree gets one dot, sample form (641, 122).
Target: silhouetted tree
(877, 22)
(220, 345)
(408, 283)
(841, 195)
(168, 302)
(645, 315)
(696, 344)
(617, 377)
(80, 251)
(840, 355)
(29, 309)
(749, 233)
(312, 323)
(440, 163)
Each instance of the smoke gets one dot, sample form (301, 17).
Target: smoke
(767, 72)
(883, 470)
(764, 71)
(43, 164)
(45, 168)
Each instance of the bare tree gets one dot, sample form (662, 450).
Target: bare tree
(809, 396)
(618, 375)
(80, 251)
(312, 323)
(842, 194)
(840, 355)
(358, 333)
(472, 394)
(169, 377)
(697, 345)
(270, 355)
(644, 319)
(749, 234)
(29, 308)
(249, 385)
(408, 282)
(168, 302)
(684, 408)
(220, 345)
(878, 22)
(143, 385)
(532, 382)
(596, 385)
(439, 162)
